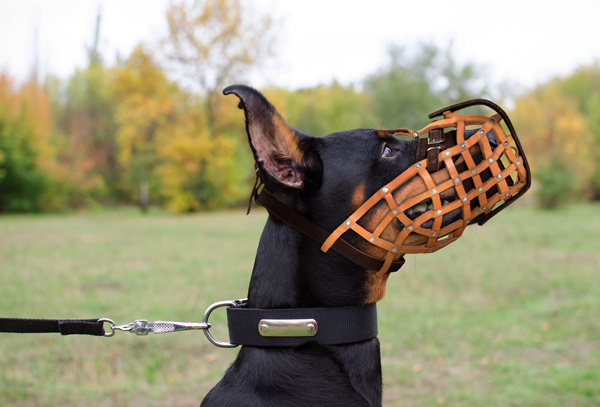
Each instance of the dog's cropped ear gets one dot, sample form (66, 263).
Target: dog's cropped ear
(279, 150)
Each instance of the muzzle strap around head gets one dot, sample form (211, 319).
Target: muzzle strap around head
(429, 148)
(300, 223)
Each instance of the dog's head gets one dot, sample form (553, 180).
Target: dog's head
(363, 184)
(328, 178)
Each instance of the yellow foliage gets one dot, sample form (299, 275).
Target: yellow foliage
(31, 104)
(148, 102)
(167, 136)
(183, 201)
(552, 128)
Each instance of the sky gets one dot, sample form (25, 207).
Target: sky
(523, 42)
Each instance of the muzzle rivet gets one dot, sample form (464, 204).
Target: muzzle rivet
(518, 162)
(348, 223)
(411, 228)
(492, 121)
(482, 132)
(465, 199)
(480, 189)
(485, 208)
(462, 145)
(506, 143)
(456, 180)
(499, 176)
(473, 171)
(415, 134)
(394, 250)
(507, 194)
(429, 251)
(433, 234)
(438, 212)
(447, 153)
(395, 211)
(385, 190)
(371, 239)
(467, 222)
(490, 160)
(418, 165)
(434, 191)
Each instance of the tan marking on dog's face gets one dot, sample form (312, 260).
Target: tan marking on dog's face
(376, 286)
(383, 134)
(358, 197)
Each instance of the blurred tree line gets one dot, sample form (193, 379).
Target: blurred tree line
(114, 135)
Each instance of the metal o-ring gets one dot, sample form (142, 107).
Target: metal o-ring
(112, 326)
(207, 313)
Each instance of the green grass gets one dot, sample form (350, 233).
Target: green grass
(506, 316)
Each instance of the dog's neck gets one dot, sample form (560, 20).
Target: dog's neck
(290, 271)
(275, 280)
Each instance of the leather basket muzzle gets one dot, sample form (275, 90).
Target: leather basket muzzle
(470, 158)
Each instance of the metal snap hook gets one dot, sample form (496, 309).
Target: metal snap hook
(143, 327)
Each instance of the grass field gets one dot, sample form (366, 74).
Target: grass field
(509, 315)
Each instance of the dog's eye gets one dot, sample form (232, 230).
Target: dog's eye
(387, 152)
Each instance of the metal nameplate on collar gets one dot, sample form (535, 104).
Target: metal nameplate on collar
(287, 327)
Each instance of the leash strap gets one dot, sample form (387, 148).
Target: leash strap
(334, 326)
(63, 326)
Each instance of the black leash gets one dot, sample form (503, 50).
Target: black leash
(247, 326)
(93, 327)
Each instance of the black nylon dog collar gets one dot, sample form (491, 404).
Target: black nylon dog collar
(335, 326)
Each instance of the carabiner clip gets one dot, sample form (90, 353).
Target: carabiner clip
(142, 327)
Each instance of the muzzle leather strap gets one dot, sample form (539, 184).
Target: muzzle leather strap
(300, 223)
(434, 146)
(431, 147)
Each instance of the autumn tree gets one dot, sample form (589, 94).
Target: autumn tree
(26, 155)
(583, 89)
(148, 107)
(555, 136)
(86, 122)
(210, 44)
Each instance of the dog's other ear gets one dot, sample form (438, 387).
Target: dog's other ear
(279, 150)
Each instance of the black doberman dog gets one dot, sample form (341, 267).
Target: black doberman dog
(325, 179)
